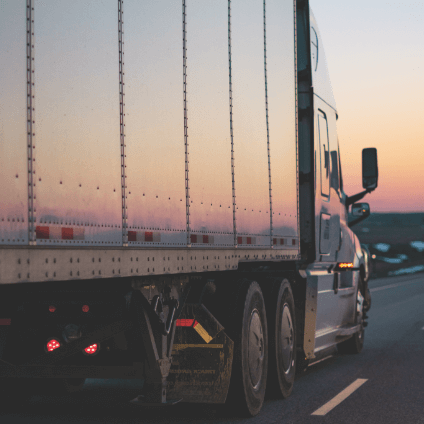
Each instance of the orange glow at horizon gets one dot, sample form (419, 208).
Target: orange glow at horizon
(375, 59)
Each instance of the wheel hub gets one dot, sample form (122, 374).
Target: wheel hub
(256, 348)
(286, 338)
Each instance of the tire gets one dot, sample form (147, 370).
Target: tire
(282, 340)
(250, 363)
(355, 344)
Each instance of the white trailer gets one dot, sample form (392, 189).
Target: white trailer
(171, 198)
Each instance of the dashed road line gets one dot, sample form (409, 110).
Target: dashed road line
(325, 409)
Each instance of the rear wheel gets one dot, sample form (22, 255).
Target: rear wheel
(356, 342)
(250, 363)
(282, 335)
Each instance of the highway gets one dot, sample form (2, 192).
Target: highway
(383, 384)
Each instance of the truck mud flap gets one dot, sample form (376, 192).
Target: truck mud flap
(201, 358)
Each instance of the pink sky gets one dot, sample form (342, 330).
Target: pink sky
(375, 58)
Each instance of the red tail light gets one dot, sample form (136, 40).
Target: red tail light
(85, 308)
(91, 350)
(185, 322)
(52, 308)
(52, 345)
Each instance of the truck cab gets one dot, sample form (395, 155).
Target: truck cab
(337, 292)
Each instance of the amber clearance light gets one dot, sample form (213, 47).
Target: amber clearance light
(345, 265)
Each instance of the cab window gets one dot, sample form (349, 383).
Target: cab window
(324, 154)
(334, 183)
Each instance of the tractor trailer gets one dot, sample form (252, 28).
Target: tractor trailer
(171, 200)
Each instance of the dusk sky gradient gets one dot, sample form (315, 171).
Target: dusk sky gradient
(375, 58)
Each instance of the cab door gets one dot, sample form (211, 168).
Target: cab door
(329, 197)
(329, 308)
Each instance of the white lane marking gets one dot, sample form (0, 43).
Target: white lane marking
(391, 286)
(325, 409)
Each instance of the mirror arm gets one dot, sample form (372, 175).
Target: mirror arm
(350, 200)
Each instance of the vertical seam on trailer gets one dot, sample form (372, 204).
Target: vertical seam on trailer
(121, 122)
(233, 184)
(267, 130)
(296, 120)
(30, 121)
(187, 187)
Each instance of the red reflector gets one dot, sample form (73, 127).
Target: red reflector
(67, 233)
(5, 321)
(42, 232)
(52, 308)
(185, 322)
(91, 349)
(52, 345)
(85, 308)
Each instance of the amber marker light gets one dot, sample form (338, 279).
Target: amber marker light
(345, 265)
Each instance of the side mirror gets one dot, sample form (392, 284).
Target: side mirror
(369, 169)
(361, 210)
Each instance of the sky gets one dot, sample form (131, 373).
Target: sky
(375, 58)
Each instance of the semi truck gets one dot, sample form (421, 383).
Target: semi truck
(171, 201)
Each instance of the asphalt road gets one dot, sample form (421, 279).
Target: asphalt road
(383, 384)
